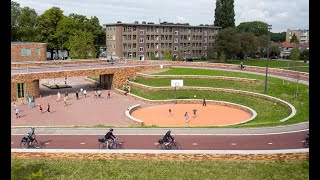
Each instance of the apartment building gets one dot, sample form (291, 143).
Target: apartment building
(28, 51)
(302, 35)
(148, 40)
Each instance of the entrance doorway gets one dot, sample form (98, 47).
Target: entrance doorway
(106, 81)
(141, 57)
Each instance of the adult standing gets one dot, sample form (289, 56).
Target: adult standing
(194, 112)
(65, 101)
(58, 96)
(77, 95)
(81, 91)
(48, 109)
(108, 93)
(66, 94)
(17, 113)
(170, 112)
(14, 106)
(204, 102)
(187, 117)
(85, 93)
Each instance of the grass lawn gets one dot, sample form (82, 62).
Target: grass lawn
(271, 63)
(158, 169)
(268, 113)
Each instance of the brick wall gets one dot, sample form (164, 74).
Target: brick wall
(16, 54)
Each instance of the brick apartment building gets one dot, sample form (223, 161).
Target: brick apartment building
(302, 35)
(28, 51)
(146, 40)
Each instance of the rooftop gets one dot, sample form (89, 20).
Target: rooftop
(20, 42)
(166, 24)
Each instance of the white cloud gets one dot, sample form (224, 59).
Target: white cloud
(282, 14)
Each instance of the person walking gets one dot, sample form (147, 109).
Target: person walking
(77, 95)
(170, 113)
(108, 93)
(58, 96)
(17, 112)
(81, 91)
(65, 101)
(187, 117)
(99, 94)
(14, 106)
(95, 94)
(40, 107)
(48, 109)
(194, 112)
(85, 93)
(204, 102)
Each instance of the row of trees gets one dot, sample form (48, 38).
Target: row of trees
(80, 36)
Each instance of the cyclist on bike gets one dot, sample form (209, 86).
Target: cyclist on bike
(110, 135)
(168, 138)
(31, 136)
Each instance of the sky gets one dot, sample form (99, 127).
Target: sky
(281, 14)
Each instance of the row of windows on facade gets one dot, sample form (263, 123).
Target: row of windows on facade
(156, 54)
(163, 38)
(176, 48)
(156, 46)
(27, 52)
(162, 29)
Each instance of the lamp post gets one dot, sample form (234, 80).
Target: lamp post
(62, 47)
(266, 81)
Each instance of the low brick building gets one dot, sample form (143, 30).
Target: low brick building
(28, 51)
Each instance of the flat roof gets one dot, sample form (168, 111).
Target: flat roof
(166, 25)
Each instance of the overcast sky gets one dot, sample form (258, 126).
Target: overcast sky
(281, 14)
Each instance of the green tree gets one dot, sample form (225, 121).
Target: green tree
(262, 45)
(248, 44)
(295, 53)
(274, 50)
(227, 41)
(47, 28)
(81, 45)
(27, 24)
(278, 37)
(224, 13)
(294, 39)
(258, 28)
(167, 55)
(15, 14)
(304, 55)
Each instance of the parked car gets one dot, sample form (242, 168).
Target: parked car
(188, 60)
(274, 57)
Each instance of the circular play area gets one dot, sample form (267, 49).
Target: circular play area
(209, 115)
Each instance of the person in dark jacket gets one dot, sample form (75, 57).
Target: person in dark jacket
(168, 138)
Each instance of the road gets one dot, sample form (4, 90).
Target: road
(293, 140)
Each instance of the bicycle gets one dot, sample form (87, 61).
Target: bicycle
(109, 144)
(25, 143)
(171, 146)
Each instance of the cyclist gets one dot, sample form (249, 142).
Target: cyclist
(168, 138)
(31, 136)
(110, 135)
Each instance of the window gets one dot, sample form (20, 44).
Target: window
(204, 47)
(205, 40)
(134, 45)
(176, 40)
(205, 33)
(176, 33)
(25, 51)
(141, 32)
(141, 49)
(20, 90)
(176, 48)
(141, 40)
(38, 51)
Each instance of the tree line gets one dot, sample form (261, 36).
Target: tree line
(80, 36)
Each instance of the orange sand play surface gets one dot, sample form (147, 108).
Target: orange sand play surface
(210, 115)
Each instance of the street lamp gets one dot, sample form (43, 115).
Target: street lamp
(62, 46)
(266, 81)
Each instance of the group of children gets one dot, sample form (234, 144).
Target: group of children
(186, 114)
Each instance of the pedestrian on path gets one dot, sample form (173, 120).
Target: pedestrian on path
(85, 93)
(14, 106)
(99, 93)
(194, 112)
(29, 102)
(108, 93)
(81, 91)
(65, 101)
(77, 95)
(170, 113)
(204, 102)
(95, 94)
(66, 94)
(48, 110)
(187, 117)
(58, 97)
(40, 107)
(17, 113)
